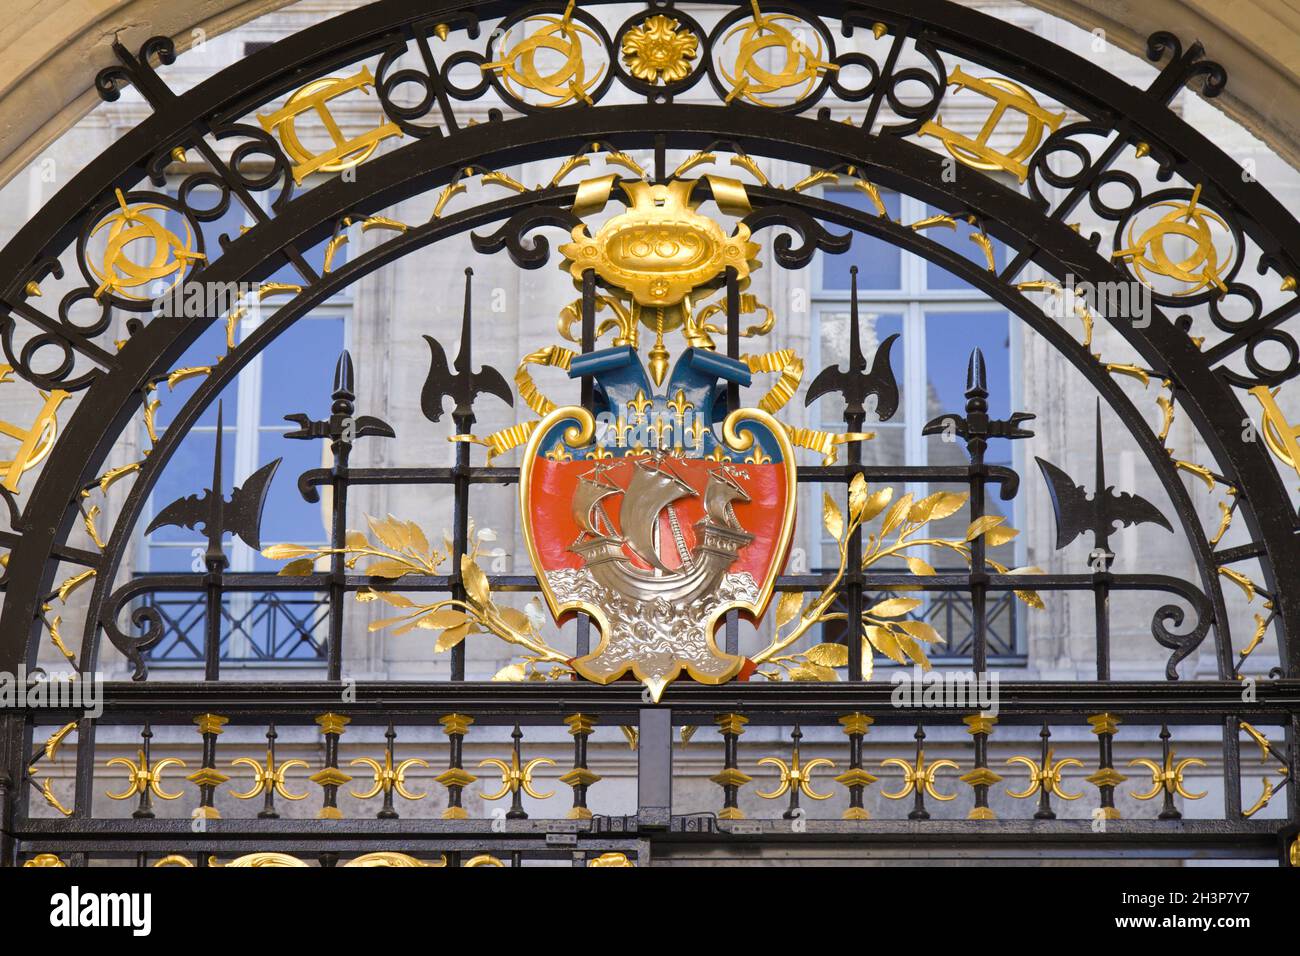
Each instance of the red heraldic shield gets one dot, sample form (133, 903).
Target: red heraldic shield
(657, 546)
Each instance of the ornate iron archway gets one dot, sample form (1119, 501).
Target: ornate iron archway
(765, 81)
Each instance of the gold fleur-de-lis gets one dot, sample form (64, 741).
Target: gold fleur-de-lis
(679, 406)
(388, 777)
(1045, 776)
(143, 776)
(517, 777)
(919, 778)
(1169, 777)
(639, 405)
(621, 429)
(796, 776)
(268, 778)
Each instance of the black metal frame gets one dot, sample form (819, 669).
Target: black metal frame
(115, 384)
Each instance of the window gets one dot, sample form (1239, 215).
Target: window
(939, 318)
(293, 374)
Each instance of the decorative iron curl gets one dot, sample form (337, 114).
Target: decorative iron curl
(1182, 645)
(527, 253)
(110, 81)
(24, 360)
(920, 113)
(144, 617)
(386, 83)
(813, 235)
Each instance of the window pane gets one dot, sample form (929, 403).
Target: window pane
(937, 277)
(203, 353)
(878, 262)
(287, 517)
(949, 339)
(298, 369)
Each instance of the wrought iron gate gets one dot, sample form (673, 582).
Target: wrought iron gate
(814, 83)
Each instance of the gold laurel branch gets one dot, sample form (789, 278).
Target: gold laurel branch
(884, 629)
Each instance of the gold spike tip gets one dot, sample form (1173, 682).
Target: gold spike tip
(442, 31)
(981, 813)
(33, 290)
(878, 30)
(1104, 723)
(979, 723)
(856, 723)
(332, 723)
(1289, 284)
(731, 723)
(455, 723)
(210, 723)
(178, 154)
(1141, 150)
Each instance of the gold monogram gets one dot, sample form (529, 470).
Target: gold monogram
(35, 443)
(799, 65)
(315, 96)
(1279, 434)
(567, 82)
(117, 272)
(1006, 95)
(1203, 266)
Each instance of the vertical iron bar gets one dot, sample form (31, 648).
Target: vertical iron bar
(582, 622)
(980, 726)
(856, 779)
(330, 777)
(654, 768)
(854, 421)
(732, 639)
(732, 778)
(1107, 777)
(1232, 767)
(580, 777)
(341, 448)
(1045, 811)
(208, 777)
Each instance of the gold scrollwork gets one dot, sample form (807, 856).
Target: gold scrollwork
(36, 442)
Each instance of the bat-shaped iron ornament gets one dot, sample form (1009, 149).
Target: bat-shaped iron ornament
(240, 516)
(855, 383)
(463, 386)
(1078, 513)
